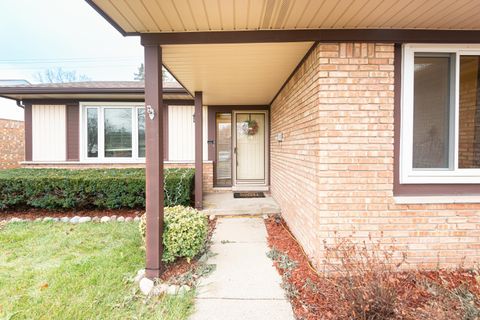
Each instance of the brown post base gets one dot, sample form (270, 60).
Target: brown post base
(153, 273)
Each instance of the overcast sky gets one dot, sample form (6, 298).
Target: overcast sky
(39, 34)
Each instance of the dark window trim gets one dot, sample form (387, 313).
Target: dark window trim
(416, 189)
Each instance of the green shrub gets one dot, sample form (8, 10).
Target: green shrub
(56, 189)
(184, 232)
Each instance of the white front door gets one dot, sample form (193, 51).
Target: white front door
(250, 149)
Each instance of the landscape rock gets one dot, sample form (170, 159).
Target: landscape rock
(75, 220)
(146, 286)
(84, 219)
(105, 219)
(136, 219)
(172, 289)
(128, 219)
(96, 219)
(212, 217)
(56, 219)
(65, 219)
(159, 289)
(16, 220)
(113, 218)
(265, 216)
(140, 275)
(38, 219)
(47, 219)
(183, 289)
(121, 219)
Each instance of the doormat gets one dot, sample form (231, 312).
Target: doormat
(248, 195)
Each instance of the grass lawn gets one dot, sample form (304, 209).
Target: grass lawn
(64, 271)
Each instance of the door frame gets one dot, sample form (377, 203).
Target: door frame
(250, 185)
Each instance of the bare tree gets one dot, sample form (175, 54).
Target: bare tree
(58, 75)
(140, 74)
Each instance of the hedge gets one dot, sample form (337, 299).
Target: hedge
(57, 189)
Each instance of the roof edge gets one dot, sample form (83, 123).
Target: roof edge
(110, 20)
(43, 90)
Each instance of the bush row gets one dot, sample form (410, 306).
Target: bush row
(57, 189)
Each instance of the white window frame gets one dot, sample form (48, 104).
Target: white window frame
(101, 106)
(453, 174)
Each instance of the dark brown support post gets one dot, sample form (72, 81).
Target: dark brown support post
(154, 160)
(198, 150)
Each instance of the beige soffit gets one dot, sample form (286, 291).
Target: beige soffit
(227, 15)
(242, 74)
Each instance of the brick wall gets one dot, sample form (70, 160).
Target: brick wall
(207, 168)
(333, 174)
(12, 149)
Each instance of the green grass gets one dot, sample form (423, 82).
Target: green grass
(64, 271)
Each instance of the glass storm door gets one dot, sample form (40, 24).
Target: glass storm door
(250, 145)
(223, 164)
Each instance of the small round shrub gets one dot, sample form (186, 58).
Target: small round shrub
(184, 232)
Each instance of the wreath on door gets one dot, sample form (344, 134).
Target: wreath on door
(250, 127)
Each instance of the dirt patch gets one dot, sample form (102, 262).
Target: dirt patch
(33, 214)
(417, 294)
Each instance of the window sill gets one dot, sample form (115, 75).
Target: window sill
(436, 199)
(463, 177)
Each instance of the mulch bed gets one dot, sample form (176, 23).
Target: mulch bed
(32, 214)
(315, 296)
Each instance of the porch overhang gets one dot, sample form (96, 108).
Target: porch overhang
(164, 16)
(242, 52)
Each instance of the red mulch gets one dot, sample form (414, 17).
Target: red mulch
(32, 214)
(323, 301)
(182, 266)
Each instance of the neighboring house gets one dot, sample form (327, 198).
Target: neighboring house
(11, 143)
(11, 129)
(366, 113)
(102, 124)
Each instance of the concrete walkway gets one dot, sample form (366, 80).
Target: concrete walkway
(224, 204)
(245, 284)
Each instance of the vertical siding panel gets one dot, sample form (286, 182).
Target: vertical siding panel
(48, 133)
(181, 133)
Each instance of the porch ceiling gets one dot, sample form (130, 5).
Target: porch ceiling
(230, 15)
(242, 74)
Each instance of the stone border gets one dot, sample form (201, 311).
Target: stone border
(155, 288)
(77, 219)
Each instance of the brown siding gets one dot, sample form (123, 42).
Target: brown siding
(416, 189)
(11, 143)
(73, 138)
(28, 132)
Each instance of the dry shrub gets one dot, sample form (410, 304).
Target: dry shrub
(369, 279)
(366, 276)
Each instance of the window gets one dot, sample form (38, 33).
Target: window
(113, 132)
(440, 129)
